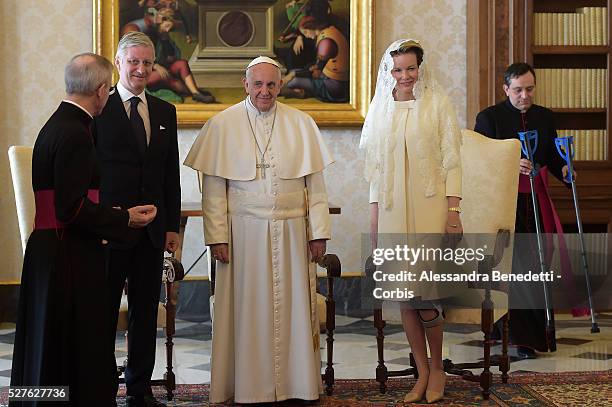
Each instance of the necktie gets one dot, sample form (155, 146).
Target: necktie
(138, 125)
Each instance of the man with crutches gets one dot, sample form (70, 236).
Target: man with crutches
(502, 121)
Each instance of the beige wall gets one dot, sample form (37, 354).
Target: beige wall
(39, 36)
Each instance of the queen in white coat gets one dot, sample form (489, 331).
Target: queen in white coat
(412, 145)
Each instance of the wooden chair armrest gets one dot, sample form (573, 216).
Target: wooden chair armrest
(502, 241)
(331, 264)
(173, 270)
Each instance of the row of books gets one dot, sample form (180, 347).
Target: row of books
(587, 26)
(572, 88)
(589, 145)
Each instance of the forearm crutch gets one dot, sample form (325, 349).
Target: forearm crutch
(565, 147)
(527, 138)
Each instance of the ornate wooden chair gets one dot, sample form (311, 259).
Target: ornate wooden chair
(331, 264)
(490, 185)
(173, 272)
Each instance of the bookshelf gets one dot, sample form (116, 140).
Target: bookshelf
(502, 32)
(569, 45)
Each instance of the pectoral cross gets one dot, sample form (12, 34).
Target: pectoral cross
(262, 165)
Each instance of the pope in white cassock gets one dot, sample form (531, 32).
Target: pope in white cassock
(266, 219)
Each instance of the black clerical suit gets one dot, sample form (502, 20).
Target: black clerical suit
(504, 121)
(128, 178)
(63, 319)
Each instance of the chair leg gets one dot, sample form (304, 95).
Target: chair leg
(121, 368)
(125, 361)
(486, 377)
(381, 369)
(171, 299)
(504, 364)
(330, 326)
(413, 365)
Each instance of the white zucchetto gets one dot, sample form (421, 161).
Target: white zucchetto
(263, 60)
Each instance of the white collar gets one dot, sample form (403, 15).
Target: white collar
(251, 107)
(79, 106)
(126, 95)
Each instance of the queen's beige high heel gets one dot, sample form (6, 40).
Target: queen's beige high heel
(413, 397)
(435, 395)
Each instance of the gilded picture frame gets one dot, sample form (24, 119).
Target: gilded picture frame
(107, 28)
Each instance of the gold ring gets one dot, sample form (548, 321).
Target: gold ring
(453, 226)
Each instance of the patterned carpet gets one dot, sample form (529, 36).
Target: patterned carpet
(525, 389)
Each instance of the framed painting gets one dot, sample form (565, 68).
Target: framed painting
(203, 46)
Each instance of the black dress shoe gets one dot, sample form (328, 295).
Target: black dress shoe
(143, 401)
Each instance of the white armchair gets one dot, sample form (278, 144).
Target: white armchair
(20, 161)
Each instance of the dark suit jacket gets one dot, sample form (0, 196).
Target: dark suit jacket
(127, 179)
(504, 121)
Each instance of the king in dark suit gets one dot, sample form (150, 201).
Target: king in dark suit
(136, 143)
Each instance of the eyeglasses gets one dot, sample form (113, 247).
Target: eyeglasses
(137, 62)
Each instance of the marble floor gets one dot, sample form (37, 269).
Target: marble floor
(355, 348)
